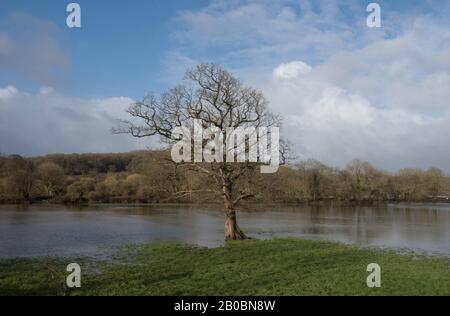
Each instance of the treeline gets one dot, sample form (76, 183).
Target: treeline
(151, 177)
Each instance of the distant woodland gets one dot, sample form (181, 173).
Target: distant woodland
(151, 177)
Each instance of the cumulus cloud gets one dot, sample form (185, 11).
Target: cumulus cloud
(47, 122)
(409, 71)
(291, 70)
(335, 125)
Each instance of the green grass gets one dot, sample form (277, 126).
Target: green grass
(276, 267)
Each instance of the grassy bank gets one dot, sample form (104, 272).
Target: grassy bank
(277, 267)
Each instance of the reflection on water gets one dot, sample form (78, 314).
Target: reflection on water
(61, 231)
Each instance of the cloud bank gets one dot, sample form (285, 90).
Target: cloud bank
(328, 122)
(47, 122)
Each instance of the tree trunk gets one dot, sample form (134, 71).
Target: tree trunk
(232, 230)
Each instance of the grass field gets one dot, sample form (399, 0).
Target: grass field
(276, 267)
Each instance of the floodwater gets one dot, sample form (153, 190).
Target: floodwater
(38, 230)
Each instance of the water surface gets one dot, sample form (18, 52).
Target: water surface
(61, 231)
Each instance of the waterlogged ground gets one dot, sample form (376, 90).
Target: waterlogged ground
(39, 231)
(276, 267)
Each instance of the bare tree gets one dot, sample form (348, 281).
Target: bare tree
(21, 178)
(212, 96)
(50, 177)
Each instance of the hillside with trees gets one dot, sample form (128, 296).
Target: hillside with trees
(151, 177)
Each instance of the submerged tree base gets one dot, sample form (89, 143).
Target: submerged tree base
(232, 230)
(235, 234)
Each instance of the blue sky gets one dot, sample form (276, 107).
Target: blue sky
(119, 49)
(346, 91)
(125, 47)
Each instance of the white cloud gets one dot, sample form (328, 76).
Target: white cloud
(291, 70)
(7, 93)
(330, 123)
(47, 122)
(403, 72)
